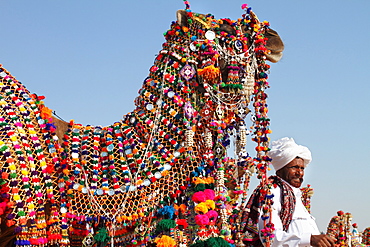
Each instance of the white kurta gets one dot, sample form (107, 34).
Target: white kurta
(301, 227)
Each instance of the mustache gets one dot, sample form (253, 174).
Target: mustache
(300, 179)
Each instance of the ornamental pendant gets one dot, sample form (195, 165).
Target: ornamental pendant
(187, 72)
(88, 241)
(219, 151)
(242, 111)
(189, 110)
(206, 111)
(220, 112)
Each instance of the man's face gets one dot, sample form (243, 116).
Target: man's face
(293, 172)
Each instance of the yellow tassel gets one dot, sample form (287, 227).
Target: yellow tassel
(209, 180)
(210, 204)
(165, 241)
(201, 208)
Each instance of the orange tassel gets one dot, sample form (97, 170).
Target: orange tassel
(210, 73)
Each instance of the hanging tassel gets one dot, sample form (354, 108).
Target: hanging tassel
(165, 241)
(102, 236)
(210, 73)
(208, 139)
(248, 86)
(233, 81)
(189, 140)
(242, 136)
(217, 242)
(167, 211)
(165, 225)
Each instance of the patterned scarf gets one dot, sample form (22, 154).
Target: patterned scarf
(250, 218)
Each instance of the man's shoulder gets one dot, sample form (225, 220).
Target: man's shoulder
(276, 190)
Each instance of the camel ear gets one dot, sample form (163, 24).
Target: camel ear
(182, 18)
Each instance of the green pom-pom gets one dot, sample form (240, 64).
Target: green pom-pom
(102, 236)
(210, 186)
(3, 148)
(21, 213)
(217, 242)
(199, 187)
(26, 186)
(165, 225)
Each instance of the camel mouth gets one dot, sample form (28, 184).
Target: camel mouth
(274, 56)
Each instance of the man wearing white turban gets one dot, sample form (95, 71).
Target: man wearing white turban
(294, 226)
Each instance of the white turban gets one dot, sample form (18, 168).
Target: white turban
(285, 150)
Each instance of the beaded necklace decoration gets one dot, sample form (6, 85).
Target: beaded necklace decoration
(307, 193)
(162, 174)
(30, 155)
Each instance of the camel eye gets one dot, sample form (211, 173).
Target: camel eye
(239, 45)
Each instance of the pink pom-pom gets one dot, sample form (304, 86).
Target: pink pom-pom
(212, 214)
(244, 6)
(199, 197)
(43, 240)
(209, 194)
(201, 220)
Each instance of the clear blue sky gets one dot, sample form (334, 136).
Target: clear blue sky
(89, 59)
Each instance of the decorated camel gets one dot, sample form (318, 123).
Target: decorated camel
(339, 228)
(161, 175)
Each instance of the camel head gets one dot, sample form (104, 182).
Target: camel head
(226, 53)
(208, 71)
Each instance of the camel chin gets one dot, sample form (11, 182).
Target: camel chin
(274, 57)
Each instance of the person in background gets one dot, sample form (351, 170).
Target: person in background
(294, 226)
